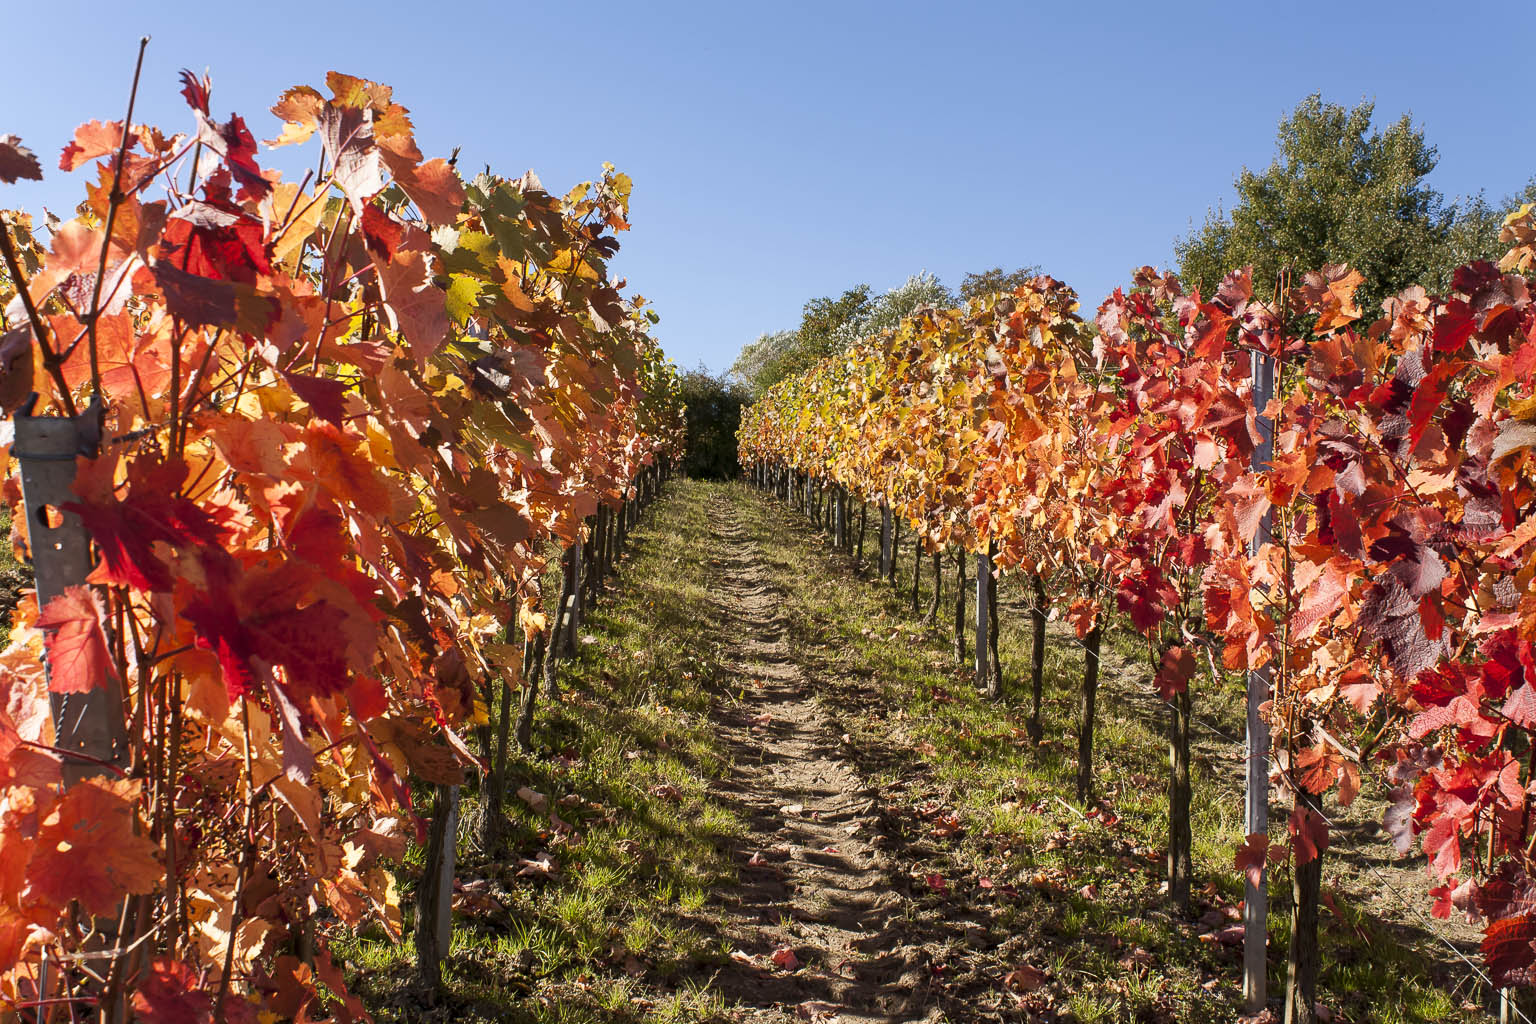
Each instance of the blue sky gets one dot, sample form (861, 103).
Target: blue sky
(787, 150)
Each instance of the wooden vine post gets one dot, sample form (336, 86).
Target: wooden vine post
(885, 540)
(983, 616)
(434, 909)
(960, 606)
(1256, 817)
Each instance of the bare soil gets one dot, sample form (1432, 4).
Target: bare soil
(825, 873)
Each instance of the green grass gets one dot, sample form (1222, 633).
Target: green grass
(1121, 952)
(624, 933)
(14, 575)
(624, 757)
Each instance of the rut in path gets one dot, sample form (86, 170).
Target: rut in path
(816, 859)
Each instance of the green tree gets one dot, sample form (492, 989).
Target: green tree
(753, 368)
(782, 354)
(829, 325)
(995, 279)
(823, 321)
(884, 312)
(1475, 233)
(713, 405)
(1338, 191)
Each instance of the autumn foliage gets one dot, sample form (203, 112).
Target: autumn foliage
(1393, 601)
(345, 418)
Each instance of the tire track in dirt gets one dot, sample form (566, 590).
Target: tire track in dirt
(815, 873)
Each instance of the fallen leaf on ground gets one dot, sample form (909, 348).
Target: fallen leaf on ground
(475, 897)
(1138, 958)
(541, 865)
(1024, 978)
(1232, 935)
(785, 958)
(533, 798)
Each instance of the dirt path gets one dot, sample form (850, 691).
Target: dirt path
(818, 875)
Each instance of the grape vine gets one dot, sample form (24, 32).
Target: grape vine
(1392, 600)
(343, 420)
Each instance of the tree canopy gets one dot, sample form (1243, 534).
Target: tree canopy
(1338, 191)
(995, 279)
(713, 410)
(830, 324)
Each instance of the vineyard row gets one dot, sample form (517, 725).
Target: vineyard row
(1343, 507)
(290, 458)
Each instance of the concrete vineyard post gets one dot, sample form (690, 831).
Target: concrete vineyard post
(1256, 816)
(89, 724)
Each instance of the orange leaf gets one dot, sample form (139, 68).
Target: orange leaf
(92, 140)
(88, 850)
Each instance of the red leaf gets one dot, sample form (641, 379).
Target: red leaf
(1520, 708)
(127, 530)
(1359, 690)
(22, 765)
(205, 302)
(326, 397)
(218, 240)
(1391, 614)
(346, 1007)
(230, 140)
(270, 613)
(1249, 503)
(1174, 672)
(1083, 613)
(1324, 597)
(433, 186)
(195, 90)
(1509, 948)
(168, 993)
(1443, 904)
(1252, 856)
(416, 307)
(381, 232)
(1024, 978)
(1443, 846)
(1309, 833)
(785, 959)
(17, 161)
(348, 138)
(77, 648)
(1145, 597)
